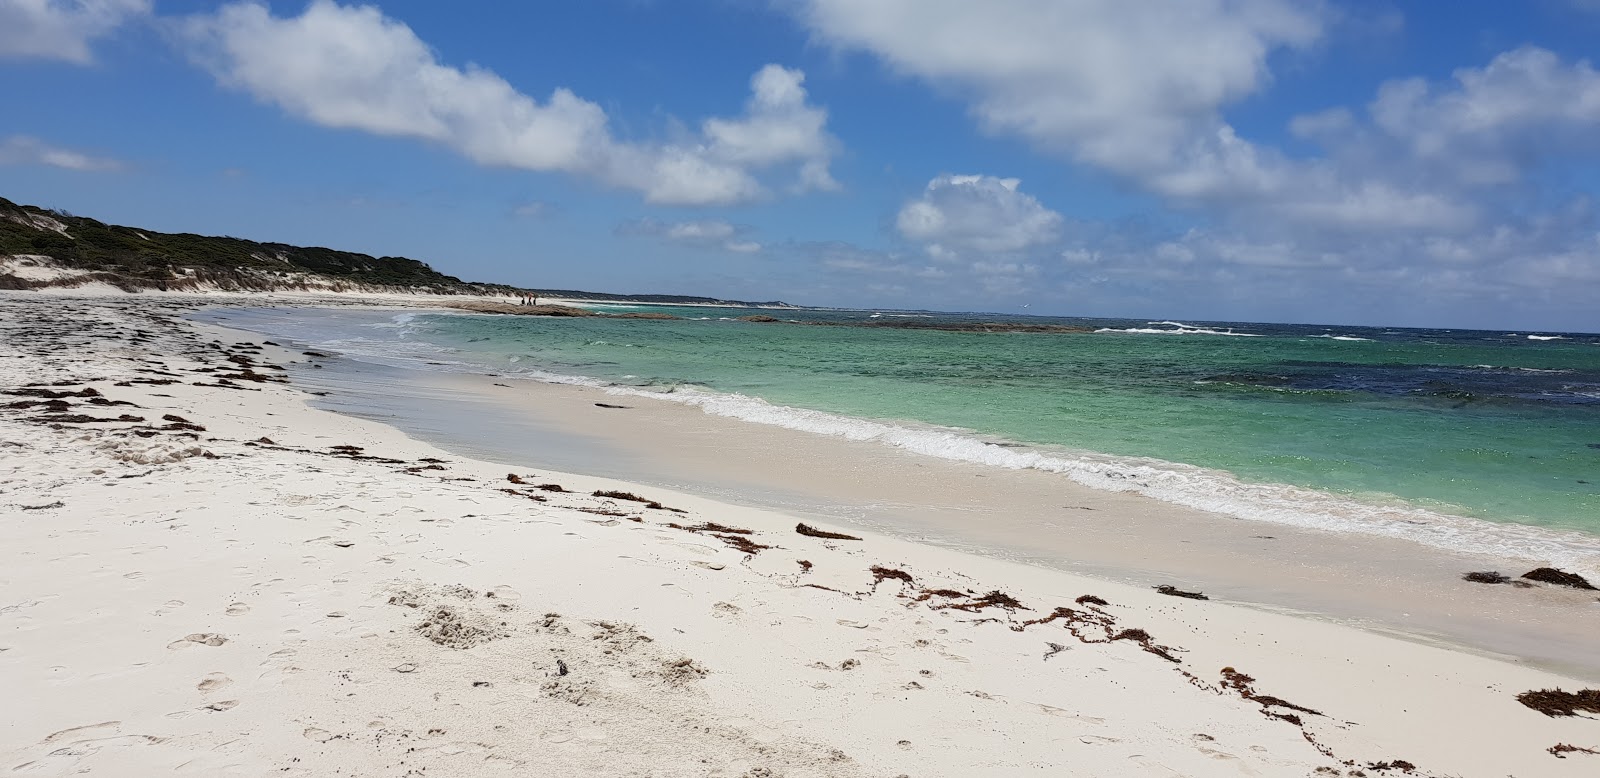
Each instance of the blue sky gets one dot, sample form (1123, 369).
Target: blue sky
(1287, 160)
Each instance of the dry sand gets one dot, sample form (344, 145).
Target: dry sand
(207, 576)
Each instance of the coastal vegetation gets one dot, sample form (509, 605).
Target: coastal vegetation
(80, 249)
(43, 247)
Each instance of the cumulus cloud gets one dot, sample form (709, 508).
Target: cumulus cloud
(976, 213)
(974, 237)
(1493, 122)
(351, 67)
(25, 150)
(1132, 87)
(61, 29)
(1457, 188)
(1136, 89)
(704, 233)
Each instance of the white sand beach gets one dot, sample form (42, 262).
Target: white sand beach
(201, 573)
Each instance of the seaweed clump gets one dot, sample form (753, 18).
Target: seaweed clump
(1555, 702)
(994, 599)
(1486, 577)
(631, 497)
(1393, 764)
(812, 532)
(1551, 575)
(881, 574)
(735, 537)
(1173, 591)
(1244, 685)
(1147, 642)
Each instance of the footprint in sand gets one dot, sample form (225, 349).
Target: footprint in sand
(1215, 754)
(697, 548)
(199, 639)
(87, 729)
(280, 674)
(504, 595)
(213, 682)
(1051, 710)
(752, 730)
(218, 707)
(237, 609)
(317, 734)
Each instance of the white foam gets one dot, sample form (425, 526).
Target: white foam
(1545, 337)
(1200, 488)
(1182, 329)
(1343, 337)
(1204, 489)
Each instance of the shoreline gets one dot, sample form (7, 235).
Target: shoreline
(1211, 489)
(820, 657)
(1391, 585)
(1385, 585)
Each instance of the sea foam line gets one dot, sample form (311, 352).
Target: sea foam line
(1181, 329)
(1203, 489)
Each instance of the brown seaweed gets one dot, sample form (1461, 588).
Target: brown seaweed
(812, 532)
(1173, 591)
(1551, 575)
(1555, 702)
(881, 574)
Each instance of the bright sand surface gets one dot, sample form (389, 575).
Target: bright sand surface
(1378, 583)
(291, 591)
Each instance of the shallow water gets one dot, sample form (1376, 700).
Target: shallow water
(1342, 428)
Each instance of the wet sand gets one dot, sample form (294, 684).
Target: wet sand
(1376, 583)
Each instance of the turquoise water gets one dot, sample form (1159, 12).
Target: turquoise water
(1492, 425)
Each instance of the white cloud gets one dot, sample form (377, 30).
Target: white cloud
(1440, 189)
(778, 126)
(976, 213)
(1135, 88)
(24, 150)
(1494, 122)
(352, 67)
(61, 29)
(705, 233)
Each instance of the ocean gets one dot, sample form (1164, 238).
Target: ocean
(1484, 441)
